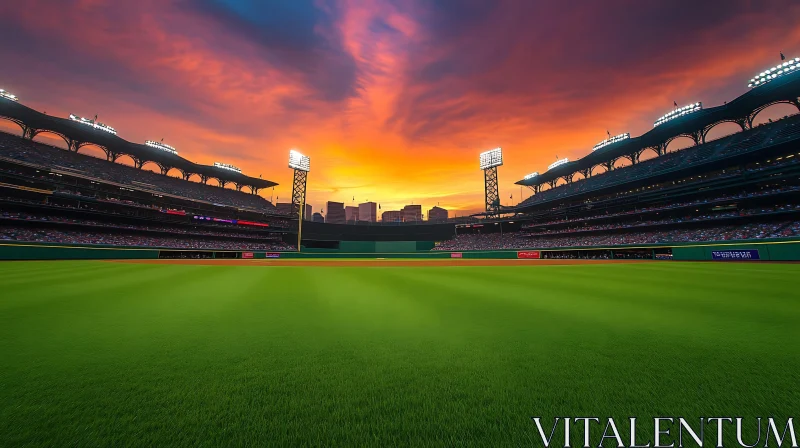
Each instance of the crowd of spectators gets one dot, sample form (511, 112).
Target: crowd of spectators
(671, 206)
(100, 208)
(673, 220)
(88, 236)
(729, 173)
(520, 240)
(725, 147)
(51, 157)
(187, 230)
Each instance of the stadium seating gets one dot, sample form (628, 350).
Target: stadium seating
(520, 240)
(50, 157)
(752, 140)
(48, 235)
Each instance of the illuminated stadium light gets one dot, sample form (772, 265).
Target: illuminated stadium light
(779, 70)
(8, 95)
(679, 112)
(558, 163)
(611, 141)
(162, 146)
(298, 161)
(226, 166)
(93, 123)
(531, 176)
(491, 158)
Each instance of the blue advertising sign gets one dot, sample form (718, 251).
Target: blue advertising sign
(726, 255)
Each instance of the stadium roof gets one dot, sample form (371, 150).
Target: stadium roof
(77, 134)
(696, 125)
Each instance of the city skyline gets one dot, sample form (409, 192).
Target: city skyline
(393, 101)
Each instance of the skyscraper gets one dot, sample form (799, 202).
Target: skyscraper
(437, 214)
(335, 213)
(412, 213)
(351, 214)
(368, 211)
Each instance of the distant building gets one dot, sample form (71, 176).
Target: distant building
(318, 217)
(412, 213)
(307, 212)
(392, 216)
(351, 214)
(368, 211)
(437, 214)
(284, 208)
(335, 213)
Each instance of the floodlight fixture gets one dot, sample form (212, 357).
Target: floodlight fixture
(228, 167)
(531, 176)
(558, 163)
(679, 112)
(491, 158)
(8, 95)
(93, 123)
(298, 161)
(791, 65)
(162, 146)
(611, 141)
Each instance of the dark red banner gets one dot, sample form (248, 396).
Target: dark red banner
(531, 254)
(456, 255)
(251, 223)
(247, 255)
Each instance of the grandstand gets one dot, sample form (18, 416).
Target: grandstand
(695, 125)
(18, 150)
(76, 134)
(742, 187)
(49, 195)
(716, 153)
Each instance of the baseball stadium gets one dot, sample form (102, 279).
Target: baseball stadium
(179, 306)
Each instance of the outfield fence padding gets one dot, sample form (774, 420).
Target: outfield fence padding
(775, 250)
(46, 251)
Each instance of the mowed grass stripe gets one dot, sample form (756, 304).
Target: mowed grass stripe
(148, 355)
(655, 300)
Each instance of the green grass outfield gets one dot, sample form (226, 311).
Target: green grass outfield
(114, 354)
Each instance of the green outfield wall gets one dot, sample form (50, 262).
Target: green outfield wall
(772, 250)
(49, 251)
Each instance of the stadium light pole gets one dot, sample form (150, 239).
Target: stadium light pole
(301, 165)
(489, 161)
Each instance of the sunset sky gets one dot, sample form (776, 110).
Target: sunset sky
(392, 99)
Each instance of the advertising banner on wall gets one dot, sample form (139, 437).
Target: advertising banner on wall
(273, 255)
(456, 255)
(247, 255)
(734, 255)
(529, 254)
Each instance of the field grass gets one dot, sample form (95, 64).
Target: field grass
(113, 354)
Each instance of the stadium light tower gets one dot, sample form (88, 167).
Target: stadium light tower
(301, 165)
(489, 161)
